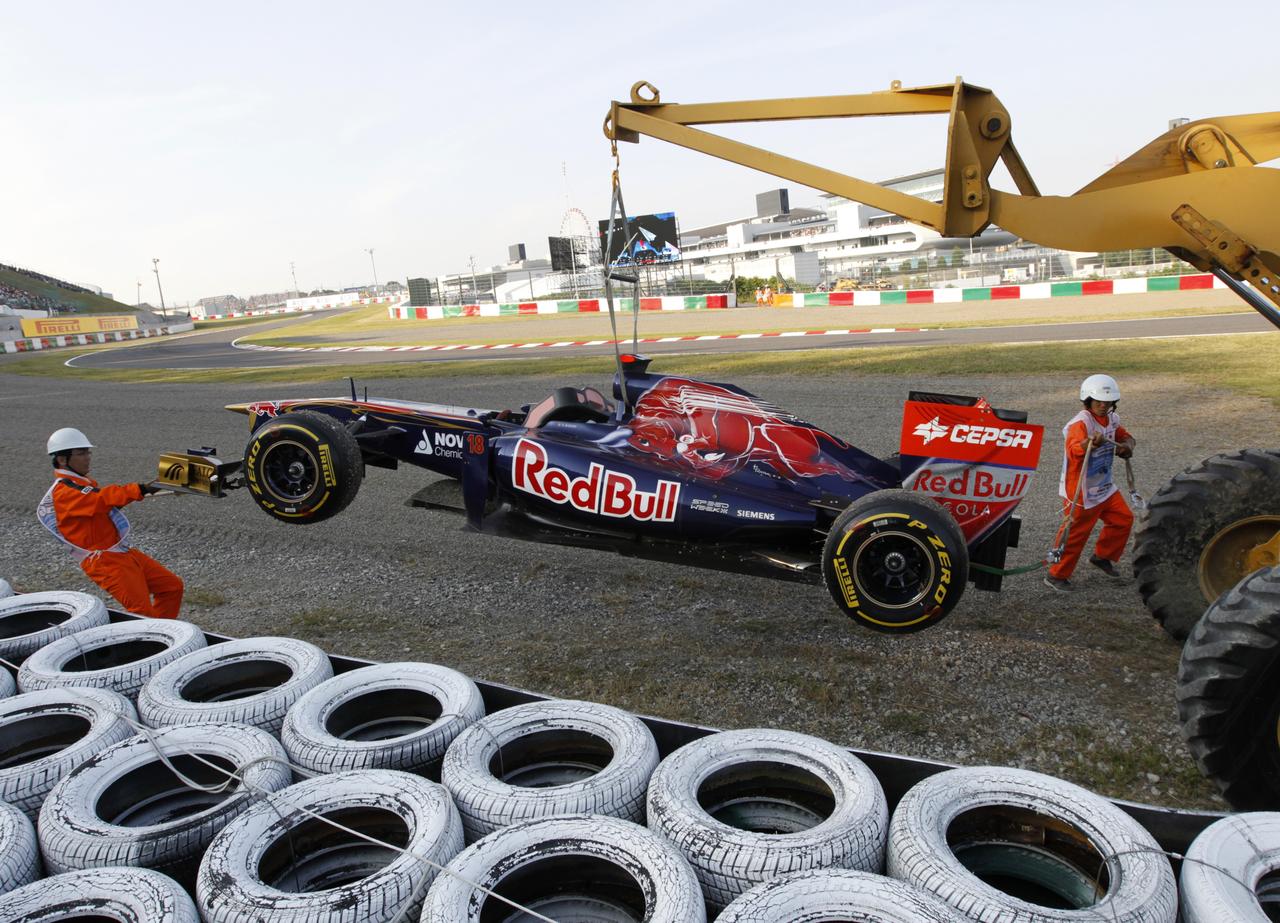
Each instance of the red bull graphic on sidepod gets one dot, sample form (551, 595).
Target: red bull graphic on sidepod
(975, 464)
(602, 492)
(716, 432)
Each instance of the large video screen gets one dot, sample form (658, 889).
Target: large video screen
(573, 254)
(653, 239)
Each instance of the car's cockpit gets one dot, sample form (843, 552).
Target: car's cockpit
(570, 405)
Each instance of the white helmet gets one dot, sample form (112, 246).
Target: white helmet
(1100, 388)
(66, 439)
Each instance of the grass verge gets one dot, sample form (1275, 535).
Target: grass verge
(1242, 362)
(224, 323)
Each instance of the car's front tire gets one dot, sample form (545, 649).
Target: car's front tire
(303, 467)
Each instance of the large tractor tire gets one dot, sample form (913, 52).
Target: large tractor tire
(1229, 693)
(1205, 530)
(895, 561)
(303, 467)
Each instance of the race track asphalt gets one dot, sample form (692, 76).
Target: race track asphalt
(216, 349)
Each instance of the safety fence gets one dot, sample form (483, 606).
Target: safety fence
(31, 344)
(569, 306)
(1037, 290)
(316, 305)
(1029, 292)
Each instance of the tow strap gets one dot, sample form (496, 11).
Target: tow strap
(1064, 528)
(618, 210)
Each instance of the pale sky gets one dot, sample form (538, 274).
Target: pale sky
(232, 139)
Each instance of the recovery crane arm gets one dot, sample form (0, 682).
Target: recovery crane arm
(1196, 190)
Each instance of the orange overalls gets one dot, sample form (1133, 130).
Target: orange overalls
(87, 518)
(1099, 499)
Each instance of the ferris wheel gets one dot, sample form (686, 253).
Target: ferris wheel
(575, 224)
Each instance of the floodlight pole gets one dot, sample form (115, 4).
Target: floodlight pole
(292, 272)
(369, 250)
(137, 300)
(155, 267)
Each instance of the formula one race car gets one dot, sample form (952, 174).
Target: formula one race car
(684, 470)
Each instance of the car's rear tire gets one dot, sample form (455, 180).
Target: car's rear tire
(1193, 543)
(895, 561)
(303, 467)
(1228, 698)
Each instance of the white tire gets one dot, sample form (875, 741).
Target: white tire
(983, 818)
(746, 806)
(580, 867)
(275, 863)
(838, 894)
(19, 856)
(1225, 865)
(543, 759)
(7, 685)
(387, 716)
(124, 806)
(5, 588)
(118, 894)
(119, 657)
(250, 681)
(45, 734)
(29, 621)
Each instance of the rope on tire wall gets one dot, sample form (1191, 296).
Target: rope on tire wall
(237, 777)
(1064, 527)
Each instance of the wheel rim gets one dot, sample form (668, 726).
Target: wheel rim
(1240, 548)
(895, 569)
(290, 471)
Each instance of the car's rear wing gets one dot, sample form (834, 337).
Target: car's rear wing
(974, 459)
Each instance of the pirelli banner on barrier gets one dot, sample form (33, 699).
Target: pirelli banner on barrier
(975, 461)
(70, 326)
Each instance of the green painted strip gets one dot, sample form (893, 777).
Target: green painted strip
(695, 302)
(976, 294)
(1162, 283)
(506, 310)
(898, 297)
(452, 310)
(567, 307)
(1066, 288)
(816, 300)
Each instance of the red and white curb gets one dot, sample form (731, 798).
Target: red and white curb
(474, 347)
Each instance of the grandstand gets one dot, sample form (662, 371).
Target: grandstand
(25, 290)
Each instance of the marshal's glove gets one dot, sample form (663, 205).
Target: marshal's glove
(1124, 451)
(148, 489)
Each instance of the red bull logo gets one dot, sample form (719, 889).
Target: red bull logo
(971, 483)
(601, 492)
(716, 432)
(265, 408)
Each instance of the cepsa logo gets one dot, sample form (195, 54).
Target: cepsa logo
(602, 492)
(971, 434)
(974, 435)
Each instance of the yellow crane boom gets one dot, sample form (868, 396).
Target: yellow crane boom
(1197, 190)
